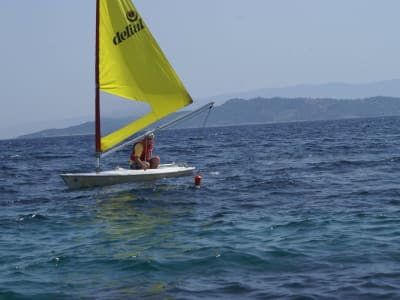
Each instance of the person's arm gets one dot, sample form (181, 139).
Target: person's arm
(138, 153)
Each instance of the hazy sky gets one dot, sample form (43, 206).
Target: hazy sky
(216, 47)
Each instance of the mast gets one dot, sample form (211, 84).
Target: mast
(97, 90)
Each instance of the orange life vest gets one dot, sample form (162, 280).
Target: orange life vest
(146, 153)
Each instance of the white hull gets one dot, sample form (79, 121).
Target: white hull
(120, 175)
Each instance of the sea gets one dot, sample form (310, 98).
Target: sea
(302, 210)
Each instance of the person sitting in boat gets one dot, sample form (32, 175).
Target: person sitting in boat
(141, 155)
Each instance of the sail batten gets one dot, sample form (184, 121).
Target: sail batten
(133, 66)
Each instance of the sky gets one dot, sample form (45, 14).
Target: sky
(216, 47)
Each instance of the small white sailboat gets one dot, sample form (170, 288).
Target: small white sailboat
(130, 64)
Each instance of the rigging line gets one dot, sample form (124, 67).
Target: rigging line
(207, 116)
(185, 117)
(192, 115)
(168, 124)
(199, 170)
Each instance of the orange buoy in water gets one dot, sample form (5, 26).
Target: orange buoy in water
(197, 181)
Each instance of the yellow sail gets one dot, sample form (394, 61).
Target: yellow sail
(132, 65)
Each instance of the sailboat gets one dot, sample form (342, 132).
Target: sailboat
(130, 64)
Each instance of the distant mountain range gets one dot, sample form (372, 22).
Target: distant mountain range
(261, 110)
(388, 88)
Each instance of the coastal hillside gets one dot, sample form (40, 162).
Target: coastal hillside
(273, 110)
(261, 110)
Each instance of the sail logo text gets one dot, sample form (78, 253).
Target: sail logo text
(131, 15)
(130, 30)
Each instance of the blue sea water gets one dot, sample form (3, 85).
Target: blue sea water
(307, 210)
